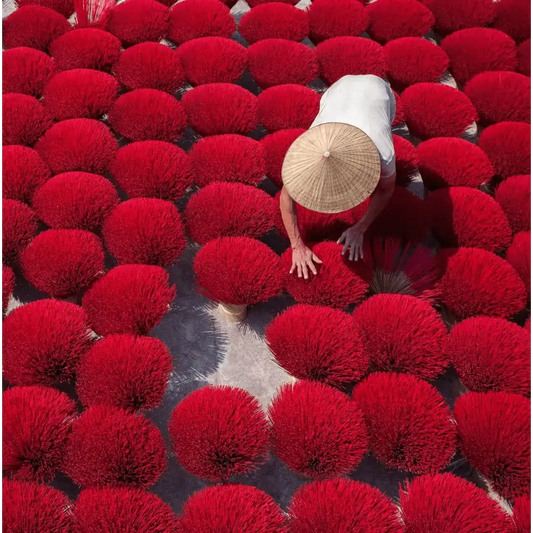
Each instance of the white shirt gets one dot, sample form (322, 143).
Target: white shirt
(368, 103)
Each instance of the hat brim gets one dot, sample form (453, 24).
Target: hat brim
(332, 167)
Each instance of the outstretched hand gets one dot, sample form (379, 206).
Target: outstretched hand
(353, 240)
(303, 260)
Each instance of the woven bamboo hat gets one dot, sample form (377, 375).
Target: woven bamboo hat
(331, 168)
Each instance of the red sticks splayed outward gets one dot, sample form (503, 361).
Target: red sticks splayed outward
(514, 18)
(122, 509)
(403, 334)
(148, 114)
(150, 66)
(522, 514)
(64, 7)
(141, 292)
(491, 354)
(238, 271)
(145, 231)
(316, 430)
(26, 71)
(153, 169)
(139, 21)
(24, 119)
(401, 268)
(519, 255)
(219, 432)
(124, 371)
(86, 48)
(477, 50)
(400, 114)
(19, 226)
(280, 61)
(450, 162)
(413, 60)
(409, 424)
(287, 106)
(406, 218)
(187, 88)
(342, 56)
(514, 197)
(492, 94)
(394, 19)
(230, 210)
(456, 15)
(232, 509)
(463, 216)
(444, 502)
(407, 160)
(274, 20)
(213, 60)
(23, 171)
(336, 18)
(315, 226)
(437, 110)
(507, 144)
(79, 144)
(33, 27)
(477, 282)
(44, 342)
(111, 447)
(217, 108)
(494, 435)
(318, 344)
(524, 58)
(75, 200)
(36, 425)
(80, 93)
(35, 507)
(200, 18)
(275, 147)
(93, 13)
(63, 262)
(342, 504)
(233, 158)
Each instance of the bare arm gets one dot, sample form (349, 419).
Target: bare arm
(353, 237)
(303, 259)
(290, 221)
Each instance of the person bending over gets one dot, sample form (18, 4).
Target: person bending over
(346, 156)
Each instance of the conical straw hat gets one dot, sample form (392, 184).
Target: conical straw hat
(331, 168)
